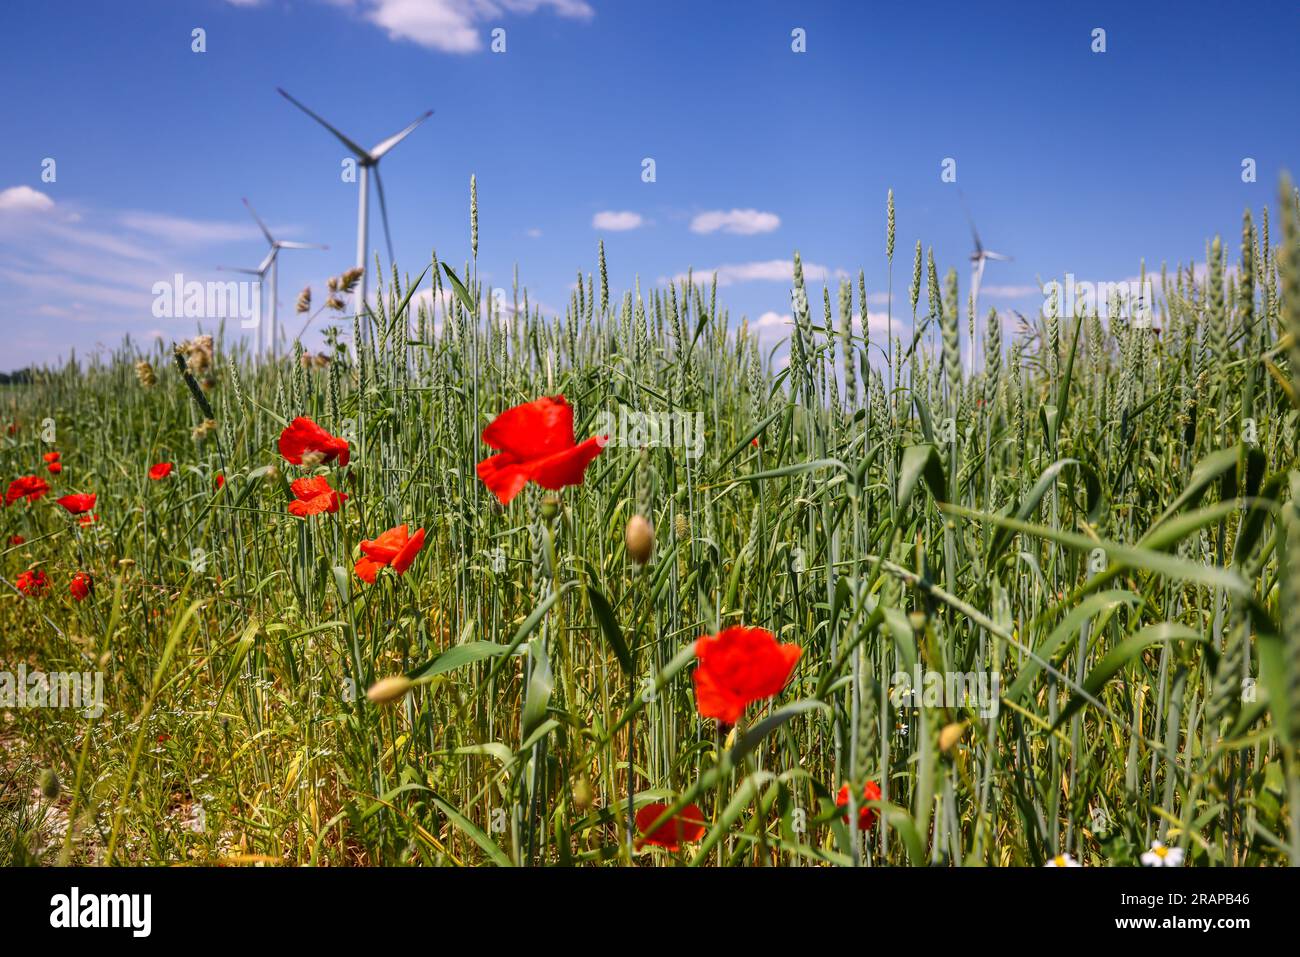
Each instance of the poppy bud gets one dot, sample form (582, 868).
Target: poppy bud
(50, 786)
(640, 538)
(583, 795)
(390, 689)
(951, 734)
(550, 507)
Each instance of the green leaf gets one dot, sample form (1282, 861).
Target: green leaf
(755, 735)
(1067, 629)
(1029, 504)
(920, 461)
(1121, 655)
(541, 682)
(600, 607)
(462, 293)
(473, 831)
(457, 656)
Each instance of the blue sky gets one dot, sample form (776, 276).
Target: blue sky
(1070, 161)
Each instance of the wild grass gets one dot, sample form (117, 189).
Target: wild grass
(1102, 513)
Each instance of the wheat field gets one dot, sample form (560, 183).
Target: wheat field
(1085, 530)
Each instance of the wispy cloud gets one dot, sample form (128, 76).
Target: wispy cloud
(742, 222)
(74, 269)
(189, 232)
(616, 221)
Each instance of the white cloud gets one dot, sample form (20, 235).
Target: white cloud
(767, 270)
(452, 26)
(742, 222)
(534, 233)
(23, 199)
(1009, 292)
(615, 221)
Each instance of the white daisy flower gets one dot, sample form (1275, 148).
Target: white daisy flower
(1161, 856)
(1063, 860)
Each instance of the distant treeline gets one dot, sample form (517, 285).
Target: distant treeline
(18, 377)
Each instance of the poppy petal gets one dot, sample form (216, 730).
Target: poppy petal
(403, 559)
(367, 570)
(714, 700)
(303, 435)
(504, 476)
(567, 467)
(385, 548)
(533, 430)
(686, 826)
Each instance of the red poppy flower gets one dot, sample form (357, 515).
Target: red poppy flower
(32, 583)
(754, 441)
(80, 586)
(684, 827)
(866, 815)
(314, 496)
(30, 487)
(55, 468)
(76, 504)
(51, 456)
(85, 520)
(16, 539)
(305, 437)
(739, 665)
(220, 481)
(394, 547)
(535, 441)
(160, 471)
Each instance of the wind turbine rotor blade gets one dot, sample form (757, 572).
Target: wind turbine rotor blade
(997, 256)
(258, 219)
(250, 272)
(383, 212)
(270, 258)
(359, 151)
(396, 138)
(286, 244)
(975, 235)
(978, 275)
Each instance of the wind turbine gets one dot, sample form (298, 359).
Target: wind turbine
(270, 262)
(977, 260)
(367, 160)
